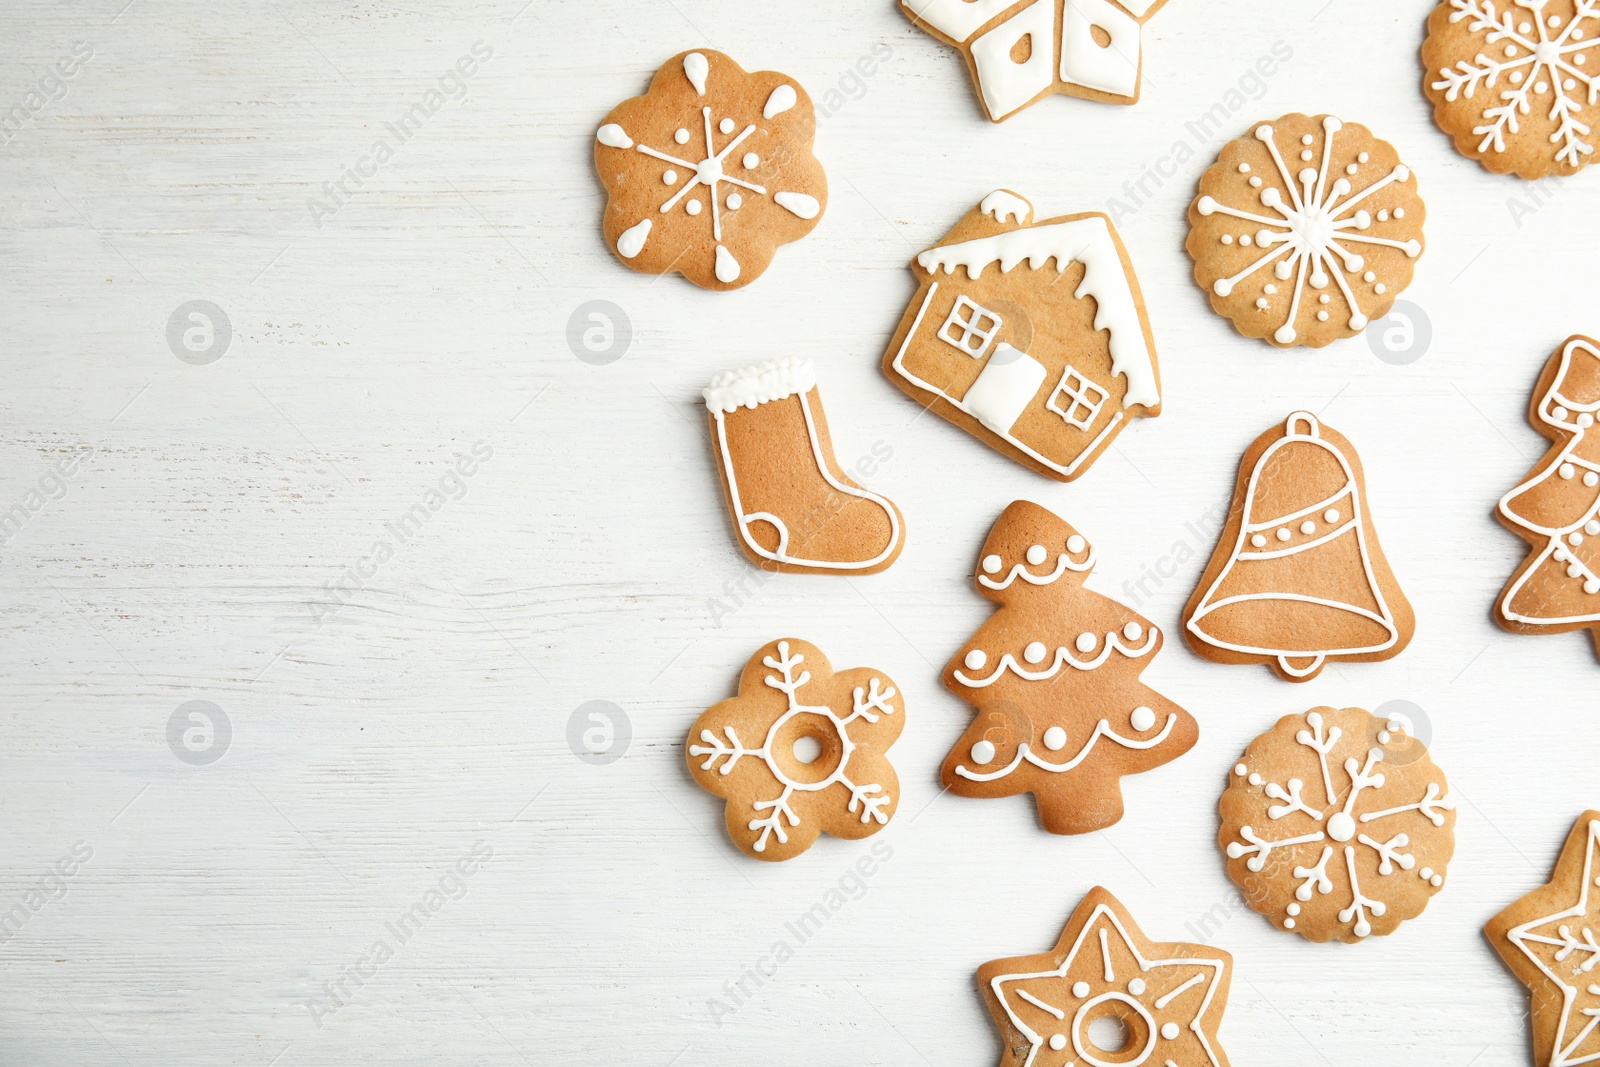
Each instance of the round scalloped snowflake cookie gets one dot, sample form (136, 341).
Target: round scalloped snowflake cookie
(1516, 83)
(1305, 230)
(1337, 824)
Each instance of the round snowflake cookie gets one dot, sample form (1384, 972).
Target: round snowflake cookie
(1516, 83)
(1305, 229)
(1337, 824)
(710, 171)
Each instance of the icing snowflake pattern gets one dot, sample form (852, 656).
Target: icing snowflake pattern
(1347, 828)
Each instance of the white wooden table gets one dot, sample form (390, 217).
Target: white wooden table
(218, 541)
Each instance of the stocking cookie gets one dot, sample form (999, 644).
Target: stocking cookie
(1305, 230)
(822, 757)
(1337, 824)
(1054, 674)
(1030, 336)
(1516, 83)
(1548, 940)
(1556, 508)
(1298, 577)
(1169, 996)
(710, 171)
(1021, 51)
(794, 508)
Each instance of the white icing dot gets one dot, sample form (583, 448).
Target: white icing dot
(1591, 527)
(1322, 316)
(1142, 719)
(1227, 238)
(1255, 183)
(1525, 28)
(1575, 538)
(670, 177)
(1553, 21)
(1590, 479)
(1288, 924)
(983, 753)
(1574, 571)
(1076, 544)
(1511, 50)
(1034, 652)
(1383, 214)
(1294, 909)
(1283, 533)
(1137, 987)
(1380, 288)
(1324, 298)
(1058, 1041)
(1086, 642)
(1585, 420)
(750, 160)
(682, 136)
(1244, 239)
(1305, 138)
(1516, 76)
(975, 660)
(734, 201)
(1055, 739)
(1258, 540)
(1436, 881)
(1037, 554)
(1341, 827)
(1383, 737)
(1559, 412)
(1362, 158)
(1170, 1031)
(992, 564)
(1080, 989)
(692, 207)
(1541, 87)
(1369, 277)
(726, 125)
(1399, 212)
(1261, 302)
(1305, 156)
(1133, 631)
(1256, 779)
(1567, 470)
(1240, 769)
(1591, 585)
(1269, 288)
(1351, 169)
(1426, 873)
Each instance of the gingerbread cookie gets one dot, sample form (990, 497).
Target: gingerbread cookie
(1556, 508)
(1021, 51)
(1512, 82)
(794, 508)
(1043, 363)
(710, 171)
(1337, 824)
(1169, 996)
(1054, 674)
(1548, 939)
(822, 761)
(1298, 577)
(1305, 230)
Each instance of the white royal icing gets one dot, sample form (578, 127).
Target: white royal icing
(614, 136)
(772, 379)
(1571, 931)
(695, 68)
(1113, 68)
(799, 204)
(1002, 205)
(957, 19)
(1005, 84)
(782, 99)
(630, 242)
(1004, 389)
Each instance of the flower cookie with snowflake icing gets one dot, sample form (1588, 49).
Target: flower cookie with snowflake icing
(1516, 83)
(1337, 824)
(710, 171)
(800, 750)
(1169, 997)
(1305, 230)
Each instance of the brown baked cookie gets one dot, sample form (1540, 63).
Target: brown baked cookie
(1054, 674)
(1030, 336)
(1548, 939)
(794, 508)
(1298, 577)
(1514, 82)
(1337, 824)
(1305, 230)
(820, 756)
(1169, 996)
(1556, 508)
(710, 171)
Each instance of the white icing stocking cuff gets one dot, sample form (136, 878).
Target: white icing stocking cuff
(771, 379)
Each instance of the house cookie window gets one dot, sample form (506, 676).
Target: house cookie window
(970, 327)
(1077, 399)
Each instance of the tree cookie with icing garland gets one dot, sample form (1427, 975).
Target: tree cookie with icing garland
(1298, 577)
(1516, 83)
(1169, 996)
(1031, 336)
(1337, 824)
(1556, 508)
(1054, 674)
(710, 171)
(1305, 230)
(1548, 939)
(800, 750)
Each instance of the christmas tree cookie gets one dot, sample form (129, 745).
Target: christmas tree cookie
(1169, 996)
(1298, 577)
(1556, 508)
(1054, 674)
(709, 171)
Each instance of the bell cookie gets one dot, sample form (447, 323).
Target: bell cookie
(1556, 508)
(822, 763)
(1169, 996)
(1548, 940)
(1516, 83)
(710, 171)
(794, 508)
(1054, 674)
(1298, 577)
(1321, 202)
(1337, 824)
(1021, 51)
(1045, 364)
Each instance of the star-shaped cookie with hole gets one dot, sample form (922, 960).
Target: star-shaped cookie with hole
(1548, 939)
(1168, 997)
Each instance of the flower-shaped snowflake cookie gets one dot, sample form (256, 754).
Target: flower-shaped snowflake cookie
(800, 750)
(710, 171)
(1516, 83)
(1337, 824)
(1305, 230)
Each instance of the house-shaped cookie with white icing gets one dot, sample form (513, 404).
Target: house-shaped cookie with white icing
(1030, 336)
